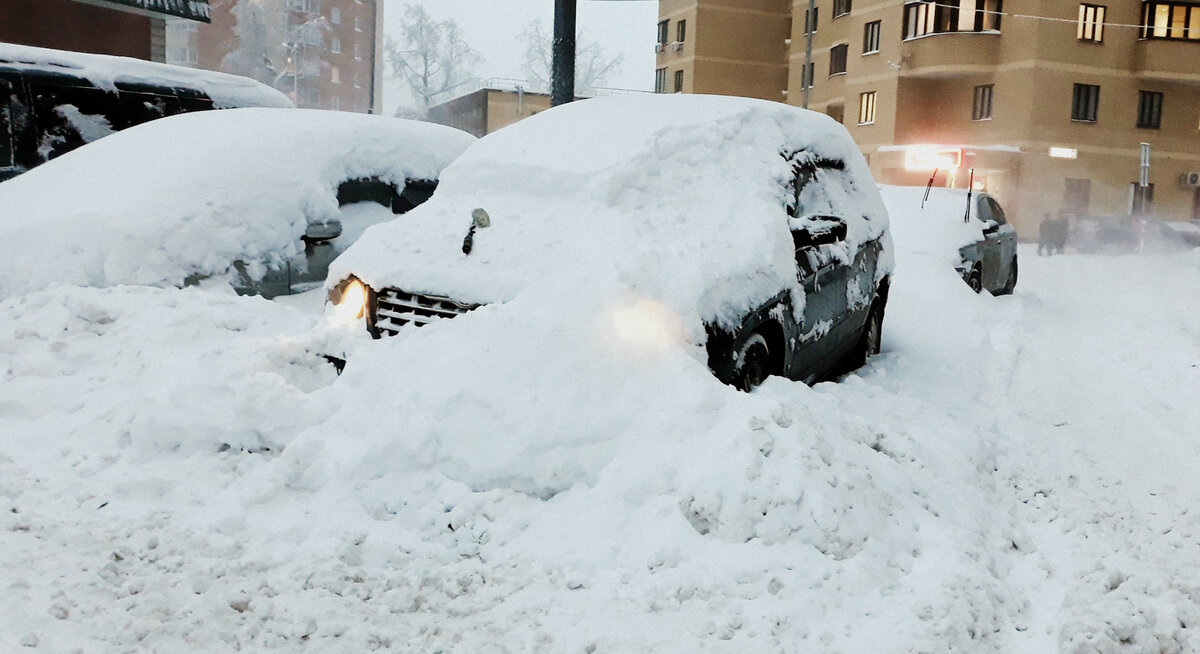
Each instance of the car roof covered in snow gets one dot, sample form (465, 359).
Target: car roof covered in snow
(636, 191)
(194, 192)
(105, 72)
(938, 226)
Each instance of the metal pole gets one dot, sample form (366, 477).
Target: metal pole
(1143, 181)
(809, 20)
(562, 67)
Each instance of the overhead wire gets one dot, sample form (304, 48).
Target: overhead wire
(1053, 19)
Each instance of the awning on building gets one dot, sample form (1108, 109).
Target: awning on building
(191, 9)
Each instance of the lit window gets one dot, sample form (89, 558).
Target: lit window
(1091, 23)
(866, 108)
(983, 103)
(939, 16)
(1170, 20)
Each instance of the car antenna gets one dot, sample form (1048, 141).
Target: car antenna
(928, 186)
(970, 190)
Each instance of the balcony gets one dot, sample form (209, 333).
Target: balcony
(950, 54)
(1167, 60)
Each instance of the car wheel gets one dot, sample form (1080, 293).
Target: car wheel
(871, 340)
(1011, 284)
(975, 280)
(753, 363)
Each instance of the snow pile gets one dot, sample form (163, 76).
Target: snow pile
(105, 72)
(936, 228)
(670, 197)
(193, 193)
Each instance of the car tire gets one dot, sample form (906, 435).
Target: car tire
(1011, 284)
(975, 280)
(871, 339)
(753, 363)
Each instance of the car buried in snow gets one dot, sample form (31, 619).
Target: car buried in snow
(968, 227)
(754, 224)
(262, 197)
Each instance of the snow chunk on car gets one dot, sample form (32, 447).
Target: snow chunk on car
(670, 197)
(190, 194)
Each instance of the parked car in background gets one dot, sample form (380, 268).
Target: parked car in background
(1126, 234)
(754, 225)
(264, 197)
(969, 229)
(53, 101)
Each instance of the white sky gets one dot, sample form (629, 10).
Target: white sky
(494, 27)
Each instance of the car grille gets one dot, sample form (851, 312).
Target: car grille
(396, 309)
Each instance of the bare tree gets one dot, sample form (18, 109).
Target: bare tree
(592, 65)
(272, 50)
(431, 57)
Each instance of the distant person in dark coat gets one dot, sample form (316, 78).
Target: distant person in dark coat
(1062, 230)
(1046, 236)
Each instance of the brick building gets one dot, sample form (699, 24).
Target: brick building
(126, 28)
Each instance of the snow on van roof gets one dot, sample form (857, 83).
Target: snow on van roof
(105, 71)
(194, 192)
(633, 191)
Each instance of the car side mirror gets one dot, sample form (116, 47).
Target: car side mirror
(815, 231)
(326, 231)
(990, 227)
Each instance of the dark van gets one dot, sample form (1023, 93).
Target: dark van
(53, 101)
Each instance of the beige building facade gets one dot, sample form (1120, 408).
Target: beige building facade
(1047, 102)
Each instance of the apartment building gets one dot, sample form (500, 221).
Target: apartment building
(1047, 102)
(325, 54)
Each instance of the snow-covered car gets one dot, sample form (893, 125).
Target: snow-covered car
(1126, 234)
(753, 225)
(237, 193)
(969, 229)
(53, 101)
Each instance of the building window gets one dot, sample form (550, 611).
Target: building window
(1085, 102)
(810, 22)
(662, 32)
(183, 55)
(841, 7)
(1170, 20)
(335, 45)
(660, 80)
(806, 75)
(307, 6)
(357, 81)
(310, 97)
(335, 75)
(681, 31)
(939, 16)
(866, 108)
(983, 103)
(679, 81)
(837, 59)
(871, 37)
(335, 103)
(1149, 109)
(358, 51)
(358, 25)
(1091, 23)
(335, 16)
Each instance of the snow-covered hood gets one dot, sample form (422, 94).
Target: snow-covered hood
(672, 197)
(937, 228)
(190, 194)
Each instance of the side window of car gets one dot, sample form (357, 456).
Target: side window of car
(997, 212)
(6, 129)
(70, 116)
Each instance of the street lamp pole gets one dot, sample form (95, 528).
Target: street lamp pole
(562, 66)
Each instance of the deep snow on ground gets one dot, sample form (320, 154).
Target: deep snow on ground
(180, 472)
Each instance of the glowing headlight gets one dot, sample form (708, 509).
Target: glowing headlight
(348, 301)
(643, 324)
